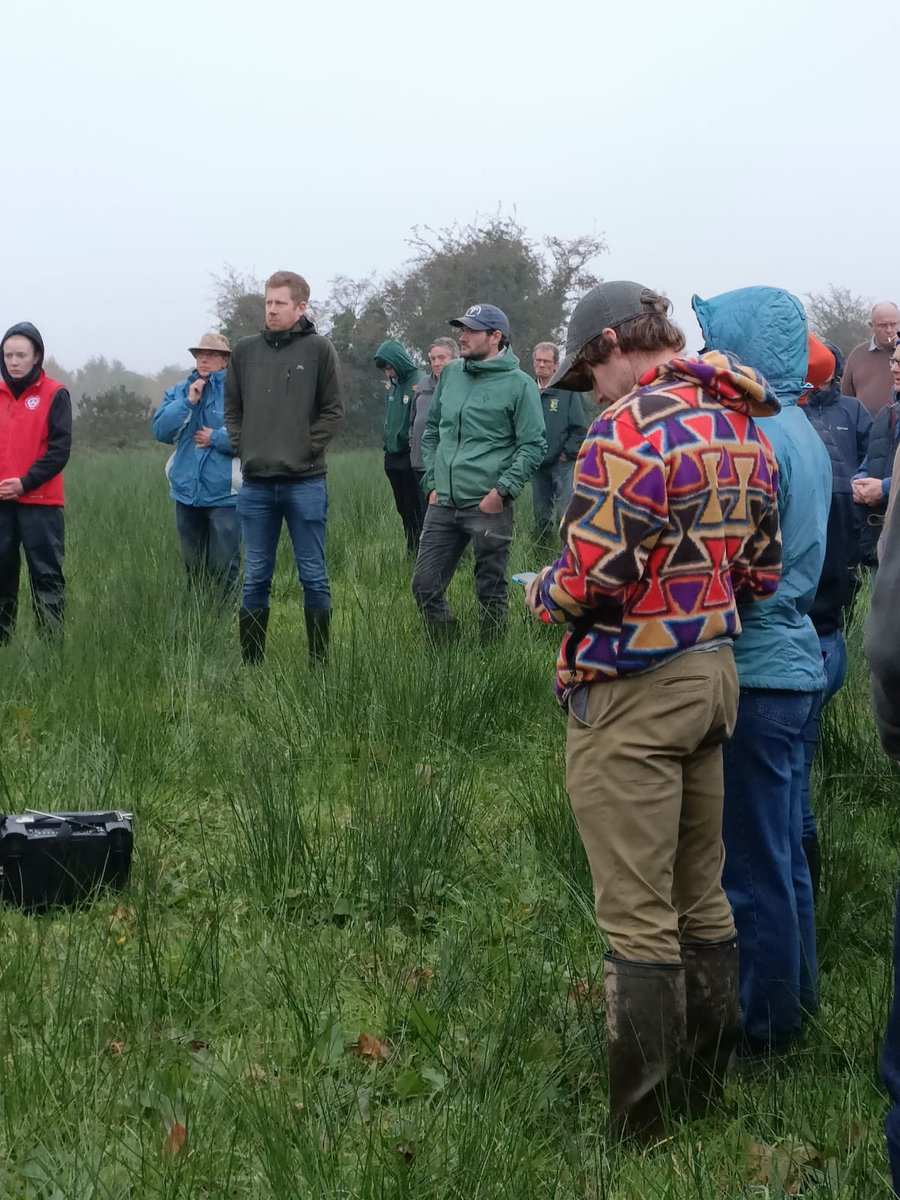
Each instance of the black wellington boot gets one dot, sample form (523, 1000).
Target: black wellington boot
(8, 610)
(252, 625)
(713, 1020)
(318, 627)
(646, 1023)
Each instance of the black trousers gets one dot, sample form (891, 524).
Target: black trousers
(39, 531)
(407, 497)
(445, 536)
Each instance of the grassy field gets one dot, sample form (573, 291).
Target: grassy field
(357, 957)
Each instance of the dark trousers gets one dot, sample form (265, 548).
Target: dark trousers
(210, 544)
(39, 531)
(551, 493)
(445, 535)
(766, 874)
(407, 497)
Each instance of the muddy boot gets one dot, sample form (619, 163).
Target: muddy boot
(713, 1020)
(8, 609)
(646, 1034)
(252, 624)
(318, 626)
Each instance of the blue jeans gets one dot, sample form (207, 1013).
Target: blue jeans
(262, 507)
(890, 1062)
(834, 656)
(210, 543)
(766, 874)
(551, 491)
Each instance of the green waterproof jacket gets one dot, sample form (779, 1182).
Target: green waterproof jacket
(485, 430)
(400, 395)
(565, 424)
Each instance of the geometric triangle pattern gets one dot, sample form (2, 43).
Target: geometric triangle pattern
(673, 521)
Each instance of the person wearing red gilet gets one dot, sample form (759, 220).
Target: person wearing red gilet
(35, 441)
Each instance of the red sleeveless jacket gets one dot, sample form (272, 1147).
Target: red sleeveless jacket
(24, 425)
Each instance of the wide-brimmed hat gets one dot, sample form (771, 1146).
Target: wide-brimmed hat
(215, 343)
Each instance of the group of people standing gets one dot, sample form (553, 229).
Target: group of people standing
(713, 519)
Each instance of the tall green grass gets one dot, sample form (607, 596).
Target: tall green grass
(385, 850)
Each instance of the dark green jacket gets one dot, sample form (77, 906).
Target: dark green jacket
(400, 396)
(565, 424)
(283, 402)
(484, 430)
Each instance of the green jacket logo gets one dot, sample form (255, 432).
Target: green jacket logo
(554, 404)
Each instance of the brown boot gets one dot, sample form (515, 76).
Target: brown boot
(646, 1026)
(713, 1020)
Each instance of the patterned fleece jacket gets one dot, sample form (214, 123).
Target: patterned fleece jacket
(673, 522)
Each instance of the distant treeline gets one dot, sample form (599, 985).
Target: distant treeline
(492, 260)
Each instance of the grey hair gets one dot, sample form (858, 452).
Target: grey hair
(446, 343)
(554, 350)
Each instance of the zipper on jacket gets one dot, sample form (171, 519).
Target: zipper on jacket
(458, 444)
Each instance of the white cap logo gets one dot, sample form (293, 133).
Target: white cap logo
(474, 311)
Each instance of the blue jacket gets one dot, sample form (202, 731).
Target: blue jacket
(766, 327)
(848, 421)
(207, 478)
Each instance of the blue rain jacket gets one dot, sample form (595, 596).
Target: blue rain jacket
(202, 478)
(766, 328)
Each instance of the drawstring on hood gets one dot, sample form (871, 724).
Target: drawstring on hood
(27, 330)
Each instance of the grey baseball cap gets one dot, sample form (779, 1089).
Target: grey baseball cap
(603, 307)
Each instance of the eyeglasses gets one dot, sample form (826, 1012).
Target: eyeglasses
(895, 362)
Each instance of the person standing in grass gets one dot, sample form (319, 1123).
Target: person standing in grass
(867, 374)
(483, 438)
(402, 379)
(779, 662)
(883, 654)
(283, 405)
(872, 482)
(564, 428)
(35, 443)
(843, 425)
(204, 474)
(672, 525)
(441, 351)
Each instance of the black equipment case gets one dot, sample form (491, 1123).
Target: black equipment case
(60, 858)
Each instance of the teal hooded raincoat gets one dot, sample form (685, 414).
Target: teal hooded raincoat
(766, 328)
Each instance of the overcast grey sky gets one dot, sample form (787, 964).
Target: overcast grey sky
(715, 144)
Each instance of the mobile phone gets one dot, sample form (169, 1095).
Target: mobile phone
(524, 578)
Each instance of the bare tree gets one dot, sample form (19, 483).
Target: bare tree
(839, 316)
(238, 303)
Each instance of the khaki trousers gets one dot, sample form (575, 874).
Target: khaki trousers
(644, 775)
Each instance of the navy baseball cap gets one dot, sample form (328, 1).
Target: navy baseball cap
(483, 316)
